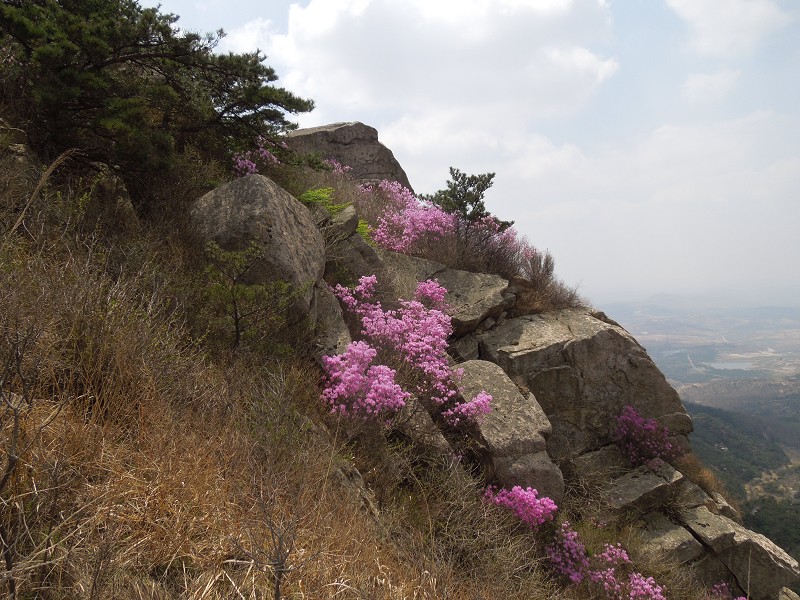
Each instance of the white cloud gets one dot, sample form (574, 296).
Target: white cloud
(249, 37)
(677, 207)
(707, 88)
(533, 58)
(729, 27)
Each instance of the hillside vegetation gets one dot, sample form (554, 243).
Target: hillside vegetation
(156, 441)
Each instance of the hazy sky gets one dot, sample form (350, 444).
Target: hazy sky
(652, 146)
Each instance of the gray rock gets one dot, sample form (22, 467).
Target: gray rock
(353, 144)
(349, 259)
(787, 594)
(603, 465)
(710, 570)
(759, 566)
(724, 508)
(690, 495)
(583, 371)
(417, 425)
(514, 432)
(472, 297)
(255, 209)
(646, 488)
(674, 541)
(465, 348)
(344, 223)
(333, 335)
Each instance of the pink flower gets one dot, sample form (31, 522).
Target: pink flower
(357, 388)
(415, 335)
(525, 503)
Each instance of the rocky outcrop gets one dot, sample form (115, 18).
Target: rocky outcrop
(583, 371)
(333, 335)
(644, 489)
(672, 540)
(255, 209)
(760, 567)
(514, 433)
(558, 381)
(472, 297)
(352, 144)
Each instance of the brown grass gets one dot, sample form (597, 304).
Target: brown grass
(176, 471)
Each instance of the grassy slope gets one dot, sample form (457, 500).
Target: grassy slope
(173, 468)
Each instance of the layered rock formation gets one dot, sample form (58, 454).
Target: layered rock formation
(352, 144)
(558, 380)
(583, 370)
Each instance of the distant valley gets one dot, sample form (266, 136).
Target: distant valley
(737, 370)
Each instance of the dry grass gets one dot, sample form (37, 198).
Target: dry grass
(175, 471)
(691, 466)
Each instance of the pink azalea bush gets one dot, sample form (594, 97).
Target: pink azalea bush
(567, 554)
(525, 503)
(414, 335)
(254, 161)
(721, 591)
(357, 388)
(642, 440)
(336, 167)
(407, 222)
(608, 574)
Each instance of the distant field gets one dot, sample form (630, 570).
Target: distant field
(738, 373)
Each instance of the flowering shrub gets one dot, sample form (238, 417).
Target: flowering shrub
(644, 588)
(643, 439)
(608, 573)
(721, 591)
(407, 222)
(568, 555)
(336, 167)
(525, 503)
(253, 161)
(414, 335)
(357, 388)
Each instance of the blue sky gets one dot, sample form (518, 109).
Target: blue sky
(652, 146)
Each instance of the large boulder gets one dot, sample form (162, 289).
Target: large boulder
(514, 433)
(472, 297)
(333, 335)
(646, 488)
(583, 370)
(659, 533)
(255, 209)
(759, 566)
(352, 144)
(349, 259)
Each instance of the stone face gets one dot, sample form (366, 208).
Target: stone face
(787, 594)
(353, 144)
(344, 223)
(333, 335)
(465, 348)
(673, 540)
(514, 432)
(757, 564)
(643, 489)
(472, 297)
(418, 426)
(601, 465)
(255, 209)
(351, 258)
(583, 371)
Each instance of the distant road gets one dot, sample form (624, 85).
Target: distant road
(691, 364)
